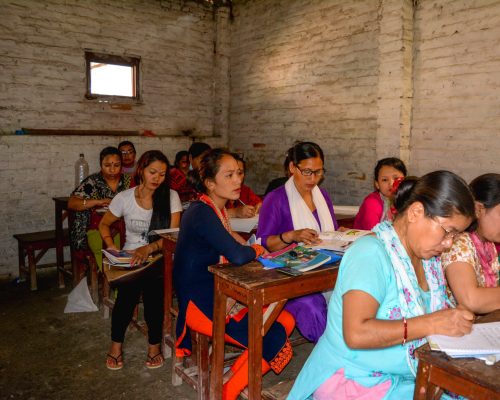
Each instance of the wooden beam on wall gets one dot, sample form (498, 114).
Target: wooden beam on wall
(77, 132)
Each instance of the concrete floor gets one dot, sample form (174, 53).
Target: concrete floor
(46, 354)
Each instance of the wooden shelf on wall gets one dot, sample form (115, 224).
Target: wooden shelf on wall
(77, 132)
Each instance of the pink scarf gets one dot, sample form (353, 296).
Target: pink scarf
(486, 254)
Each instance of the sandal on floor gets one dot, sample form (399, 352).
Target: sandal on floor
(150, 361)
(117, 362)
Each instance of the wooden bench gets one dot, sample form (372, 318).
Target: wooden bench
(28, 244)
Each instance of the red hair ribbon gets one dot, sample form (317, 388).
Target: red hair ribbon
(396, 183)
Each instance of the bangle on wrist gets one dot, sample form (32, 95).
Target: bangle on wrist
(283, 240)
(405, 333)
(84, 203)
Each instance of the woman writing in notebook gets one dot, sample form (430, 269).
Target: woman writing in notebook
(149, 206)
(389, 295)
(249, 203)
(297, 212)
(205, 238)
(471, 265)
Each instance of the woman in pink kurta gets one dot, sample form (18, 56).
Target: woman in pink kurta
(376, 207)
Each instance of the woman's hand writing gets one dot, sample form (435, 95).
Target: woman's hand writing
(452, 321)
(245, 212)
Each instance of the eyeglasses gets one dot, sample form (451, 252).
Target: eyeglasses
(448, 234)
(309, 172)
(127, 152)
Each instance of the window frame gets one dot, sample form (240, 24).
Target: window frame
(127, 61)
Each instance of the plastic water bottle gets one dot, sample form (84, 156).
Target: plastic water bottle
(81, 170)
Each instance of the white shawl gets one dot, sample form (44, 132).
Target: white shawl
(302, 216)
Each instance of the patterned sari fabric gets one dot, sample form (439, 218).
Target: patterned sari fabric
(412, 303)
(481, 256)
(92, 188)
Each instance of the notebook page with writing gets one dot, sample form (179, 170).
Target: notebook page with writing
(483, 339)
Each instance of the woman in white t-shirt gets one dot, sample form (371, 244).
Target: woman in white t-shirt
(149, 206)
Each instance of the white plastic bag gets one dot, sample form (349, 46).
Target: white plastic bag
(79, 299)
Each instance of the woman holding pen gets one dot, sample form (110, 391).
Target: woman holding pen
(249, 203)
(149, 206)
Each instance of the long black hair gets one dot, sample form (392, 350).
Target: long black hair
(161, 196)
(442, 193)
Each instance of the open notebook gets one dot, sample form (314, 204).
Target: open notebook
(483, 340)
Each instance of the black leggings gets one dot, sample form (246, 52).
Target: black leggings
(151, 286)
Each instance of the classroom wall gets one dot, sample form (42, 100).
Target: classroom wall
(42, 85)
(306, 70)
(456, 106)
(366, 80)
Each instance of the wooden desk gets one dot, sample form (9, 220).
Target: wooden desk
(468, 377)
(61, 213)
(255, 287)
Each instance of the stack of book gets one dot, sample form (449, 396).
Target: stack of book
(120, 258)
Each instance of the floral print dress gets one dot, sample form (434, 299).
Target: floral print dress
(463, 250)
(92, 187)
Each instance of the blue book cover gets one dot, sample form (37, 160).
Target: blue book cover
(297, 257)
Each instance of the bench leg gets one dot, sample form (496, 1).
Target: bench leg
(32, 268)
(22, 265)
(202, 361)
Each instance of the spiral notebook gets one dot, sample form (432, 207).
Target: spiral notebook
(484, 339)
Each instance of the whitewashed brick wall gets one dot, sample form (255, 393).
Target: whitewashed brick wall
(306, 70)
(42, 85)
(456, 108)
(366, 80)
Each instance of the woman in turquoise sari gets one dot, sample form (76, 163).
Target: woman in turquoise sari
(390, 294)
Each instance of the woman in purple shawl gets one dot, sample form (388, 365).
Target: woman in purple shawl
(297, 212)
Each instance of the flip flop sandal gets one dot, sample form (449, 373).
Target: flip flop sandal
(116, 366)
(150, 361)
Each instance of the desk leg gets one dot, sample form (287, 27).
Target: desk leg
(255, 333)
(59, 244)
(219, 330)
(424, 389)
(167, 302)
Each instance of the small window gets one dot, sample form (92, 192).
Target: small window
(111, 76)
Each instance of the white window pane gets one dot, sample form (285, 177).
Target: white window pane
(110, 79)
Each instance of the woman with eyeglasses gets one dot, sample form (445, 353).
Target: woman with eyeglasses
(297, 212)
(389, 296)
(472, 265)
(127, 149)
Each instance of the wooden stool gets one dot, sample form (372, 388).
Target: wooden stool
(28, 243)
